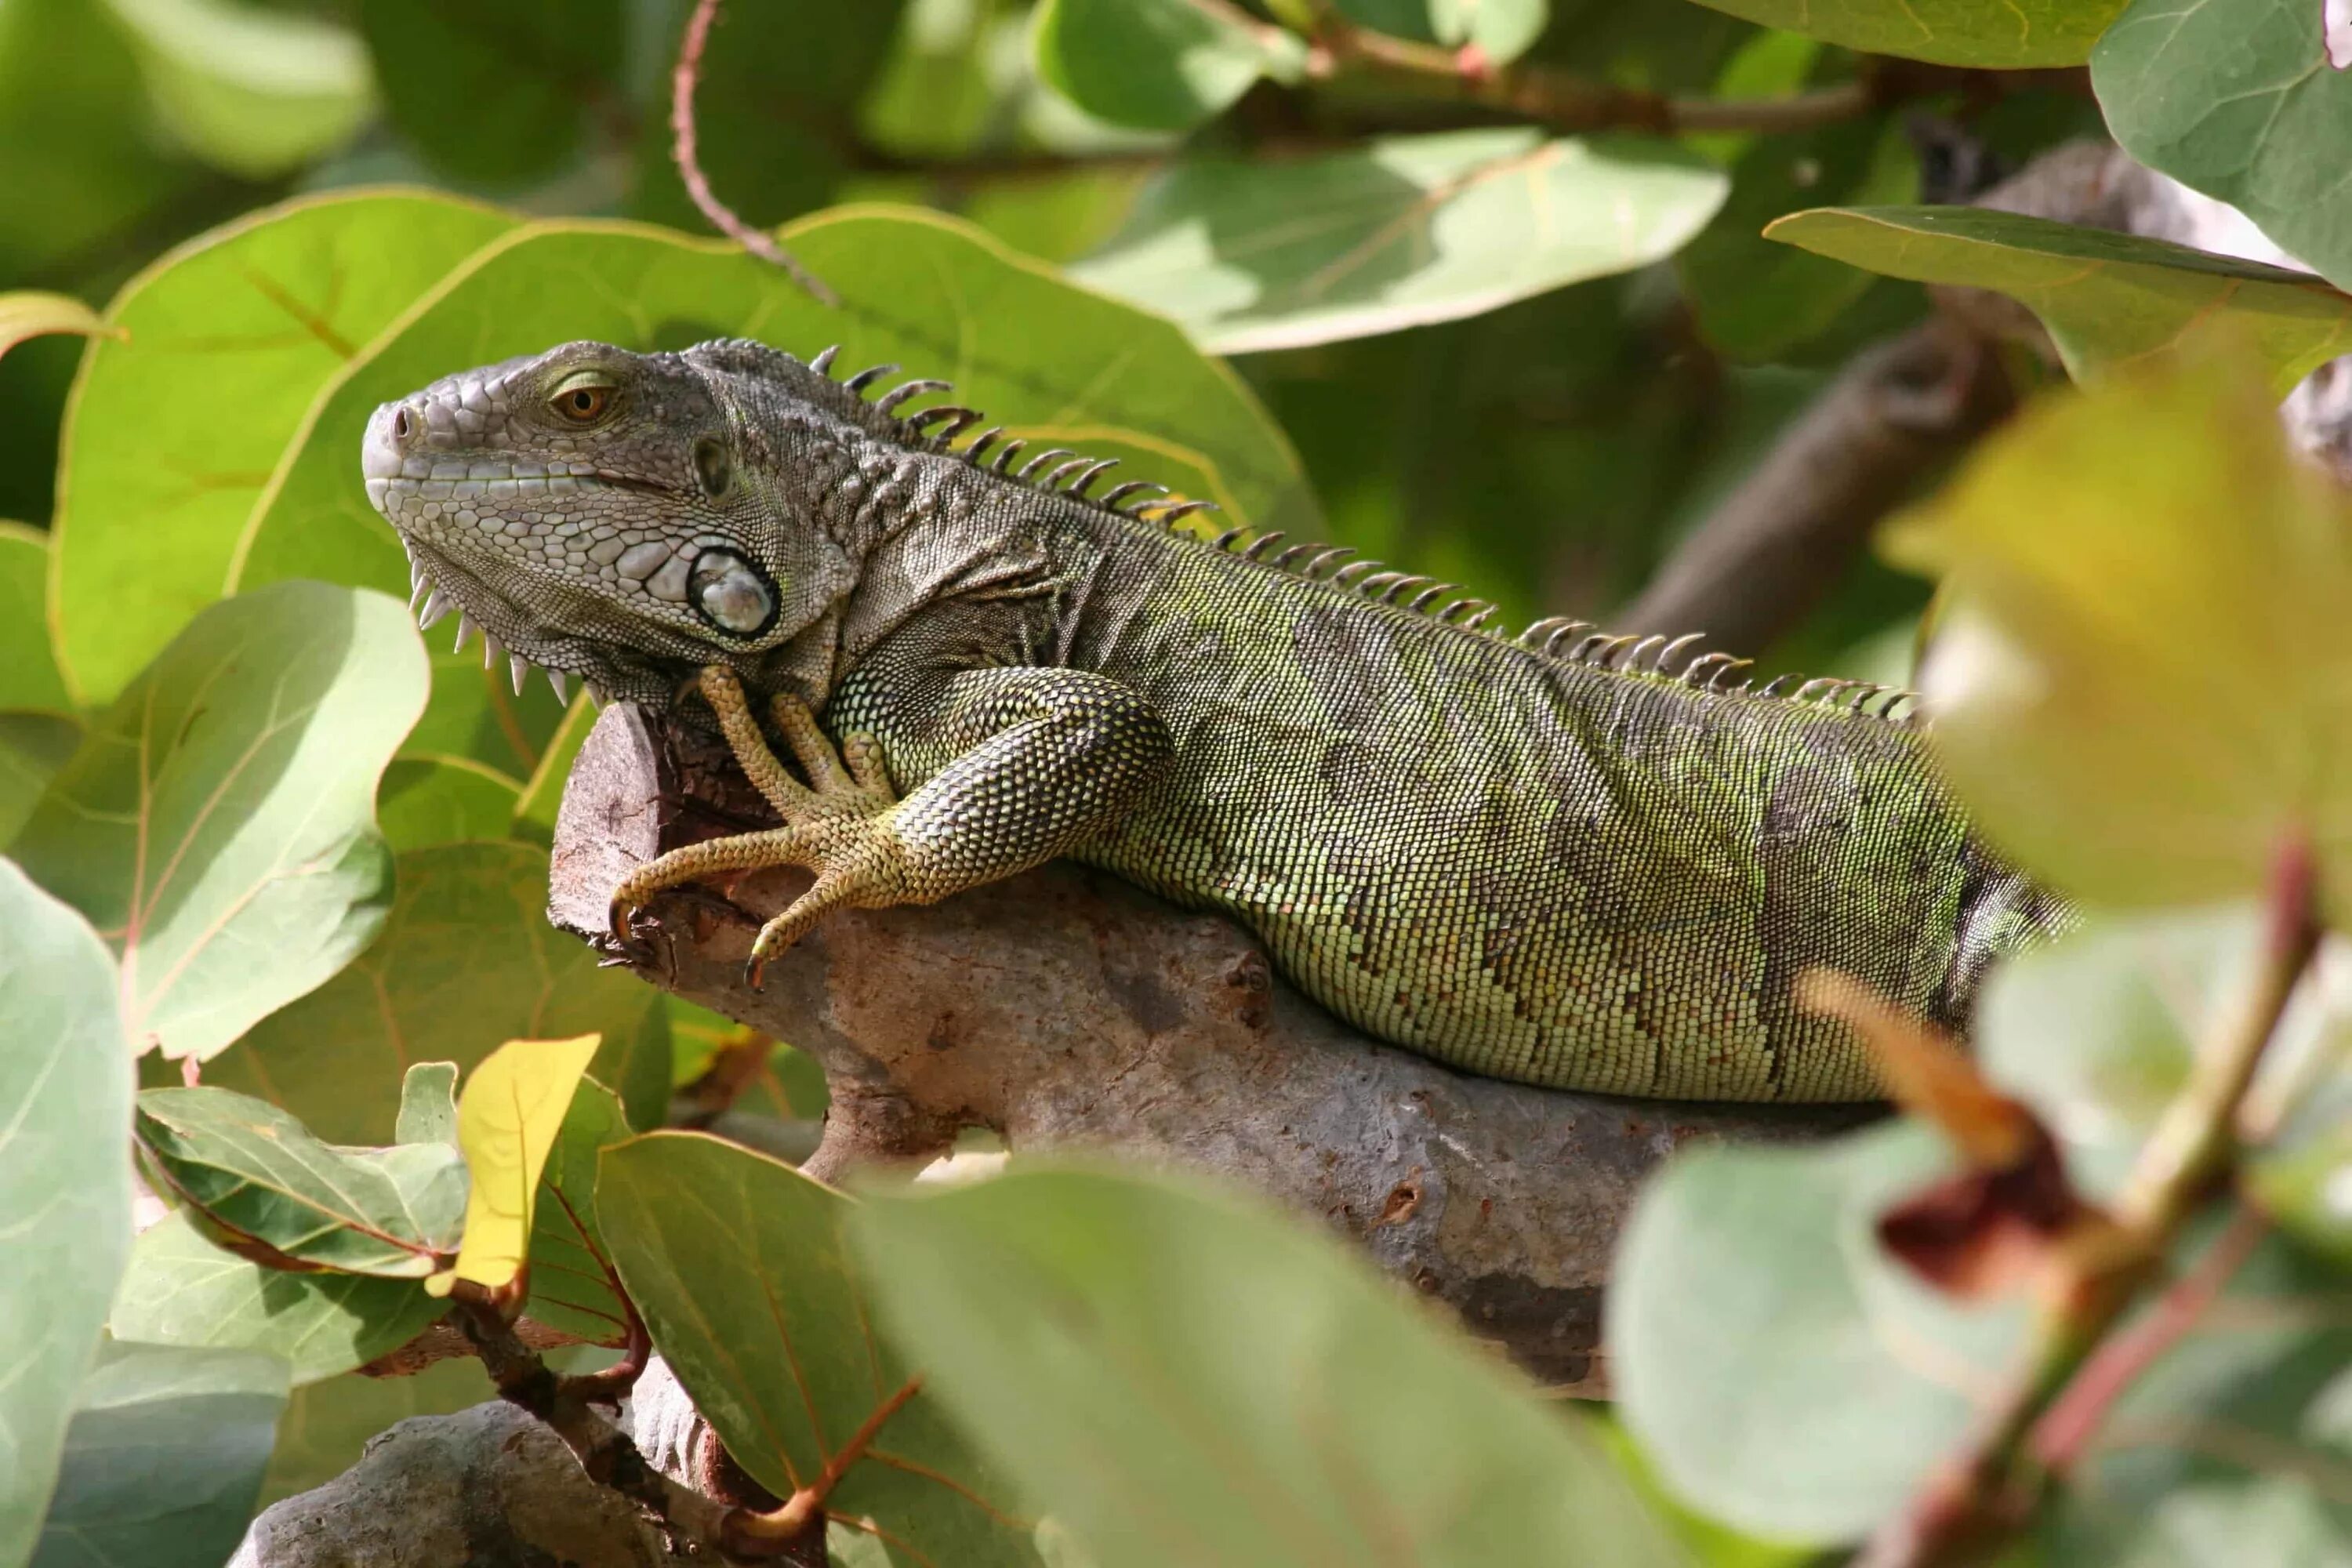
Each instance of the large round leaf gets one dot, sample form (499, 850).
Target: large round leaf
(1951, 32)
(65, 1165)
(172, 430)
(219, 823)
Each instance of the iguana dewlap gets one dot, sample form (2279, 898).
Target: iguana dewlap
(1540, 858)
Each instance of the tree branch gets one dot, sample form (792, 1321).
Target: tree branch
(683, 79)
(1065, 1009)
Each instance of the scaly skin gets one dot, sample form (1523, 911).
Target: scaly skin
(1536, 859)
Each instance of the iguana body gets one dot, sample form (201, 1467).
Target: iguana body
(1546, 866)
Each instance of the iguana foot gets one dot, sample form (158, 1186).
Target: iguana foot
(837, 824)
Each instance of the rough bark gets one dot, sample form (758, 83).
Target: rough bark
(1064, 1009)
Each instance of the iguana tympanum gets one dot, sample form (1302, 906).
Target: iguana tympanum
(1558, 858)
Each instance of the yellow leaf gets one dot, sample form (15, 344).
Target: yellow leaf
(506, 1122)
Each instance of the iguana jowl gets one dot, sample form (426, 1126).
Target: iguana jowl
(1539, 859)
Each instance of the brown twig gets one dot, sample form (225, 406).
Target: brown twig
(689, 168)
(1991, 1488)
(757, 1533)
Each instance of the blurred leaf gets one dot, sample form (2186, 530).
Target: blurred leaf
(1045, 360)
(572, 1281)
(429, 1105)
(182, 1289)
(1755, 301)
(1412, 229)
(2280, 1520)
(156, 485)
(29, 669)
(776, 109)
(1163, 64)
(2108, 299)
(256, 91)
(531, 814)
(740, 1268)
(1085, 1326)
(442, 800)
(1780, 1371)
(1499, 29)
(2149, 552)
(1768, 65)
(327, 1425)
(2015, 34)
(165, 1456)
(65, 1079)
(2236, 99)
(466, 960)
(508, 1118)
(943, 85)
(219, 823)
(28, 314)
(33, 748)
(257, 1176)
(495, 94)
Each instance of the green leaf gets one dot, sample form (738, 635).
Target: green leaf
(741, 1267)
(182, 1289)
(572, 1279)
(1782, 1373)
(1499, 29)
(1183, 1378)
(507, 1119)
(1049, 362)
(427, 801)
(261, 1181)
(253, 90)
(2109, 300)
(497, 94)
(2090, 572)
(466, 959)
(2235, 98)
(28, 669)
(1411, 229)
(154, 486)
(2018, 33)
(428, 1104)
(166, 1454)
(219, 823)
(33, 747)
(1755, 301)
(532, 814)
(65, 1079)
(327, 1425)
(1165, 65)
(29, 315)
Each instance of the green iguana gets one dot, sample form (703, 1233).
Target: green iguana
(1564, 858)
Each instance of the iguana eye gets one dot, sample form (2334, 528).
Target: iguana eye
(583, 399)
(730, 594)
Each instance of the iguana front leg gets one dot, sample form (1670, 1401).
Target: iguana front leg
(1037, 760)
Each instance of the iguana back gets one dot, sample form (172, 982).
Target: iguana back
(1539, 860)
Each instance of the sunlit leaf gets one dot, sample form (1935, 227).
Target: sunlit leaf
(2151, 554)
(741, 1269)
(182, 1289)
(2235, 99)
(154, 486)
(2109, 300)
(1782, 1373)
(1045, 360)
(65, 1081)
(252, 89)
(1183, 1378)
(29, 315)
(428, 1104)
(259, 1181)
(466, 959)
(426, 801)
(29, 669)
(219, 823)
(1164, 65)
(508, 1118)
(1499, 30)
(1951, 32)
(166, 1454)
(1410, 229)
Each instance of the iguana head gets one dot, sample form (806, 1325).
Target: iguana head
(623, 516)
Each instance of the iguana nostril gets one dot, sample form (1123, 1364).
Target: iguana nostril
(402, 424)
